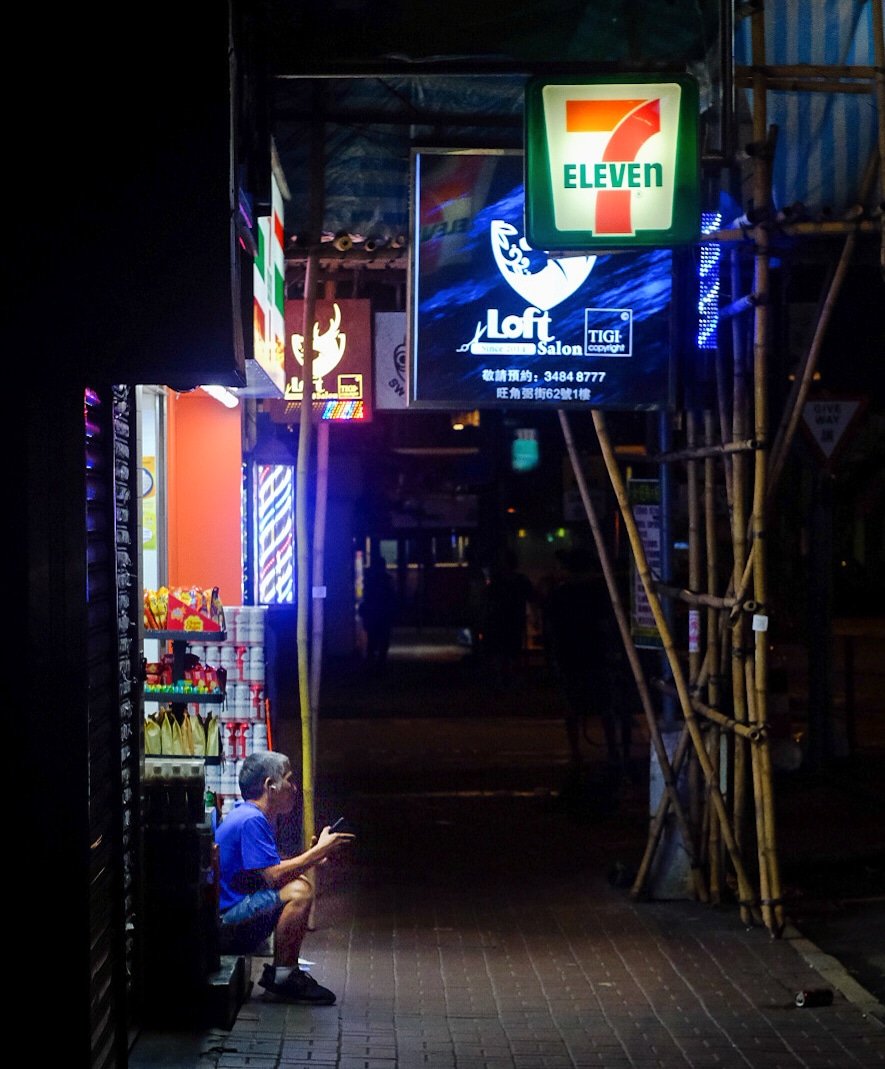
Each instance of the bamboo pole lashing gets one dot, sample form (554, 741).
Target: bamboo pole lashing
(692, 598)
(703, 451)
(750, 732)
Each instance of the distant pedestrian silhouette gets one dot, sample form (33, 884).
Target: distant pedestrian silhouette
(508, 596)
(587, 654)
(377, 611)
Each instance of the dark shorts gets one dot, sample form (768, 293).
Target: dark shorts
(247, 924)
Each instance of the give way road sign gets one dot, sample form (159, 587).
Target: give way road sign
(828, 420)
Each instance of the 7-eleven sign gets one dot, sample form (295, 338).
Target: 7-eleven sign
(612, 163)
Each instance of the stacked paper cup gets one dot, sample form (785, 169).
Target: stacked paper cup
(259, 736)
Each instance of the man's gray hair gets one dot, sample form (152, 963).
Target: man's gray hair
(258, 767)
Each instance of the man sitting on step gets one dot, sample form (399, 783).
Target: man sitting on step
(261, 893)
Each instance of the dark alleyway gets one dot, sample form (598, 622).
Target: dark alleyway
(482, 921)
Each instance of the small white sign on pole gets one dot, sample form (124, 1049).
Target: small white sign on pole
(390, 360)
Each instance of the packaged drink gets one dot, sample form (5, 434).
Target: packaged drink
(819, 996)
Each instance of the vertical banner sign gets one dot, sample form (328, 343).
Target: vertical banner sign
(613, 162)
(390, 360)
(268, 293)
(274, 513)
(149, 503)
(644, 496)
(694, 631)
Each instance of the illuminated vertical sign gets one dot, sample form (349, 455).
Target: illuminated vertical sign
(645, 500)
(274, 520)
(268, 292)
(708, 283)
(612, 163)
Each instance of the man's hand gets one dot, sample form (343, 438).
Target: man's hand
(334, 839)
(329, 842)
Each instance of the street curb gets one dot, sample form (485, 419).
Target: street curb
(836, 975)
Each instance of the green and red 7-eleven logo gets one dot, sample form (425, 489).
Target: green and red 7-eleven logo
(612, 163)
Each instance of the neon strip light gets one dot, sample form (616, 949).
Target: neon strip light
(275, 527)
(708, 284)
(343, 410)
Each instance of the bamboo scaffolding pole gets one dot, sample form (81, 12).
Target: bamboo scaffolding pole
(739, 554)
(630, 648)
(706, 668)
(711, 657)
(695, 793)
(722, 410)
(317, 616)
(667, 642)
(799, 392)
(737, 307)
(827, 228)
(806, 85)
(879, 56)
(318, 578)
(761, 834)
(805, 70)
(757, 684)
(670, 787)
(774, 897)
(302, 475)
(702, 451)
(656, 825)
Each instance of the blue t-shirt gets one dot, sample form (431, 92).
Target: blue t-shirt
(245, 843)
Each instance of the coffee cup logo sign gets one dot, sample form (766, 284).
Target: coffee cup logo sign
(341, 361)
(612, 163)
(329, 345)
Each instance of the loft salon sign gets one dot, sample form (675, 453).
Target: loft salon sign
(613, 163)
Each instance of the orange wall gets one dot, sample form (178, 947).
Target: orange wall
(204, 479)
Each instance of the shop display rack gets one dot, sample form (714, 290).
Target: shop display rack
(182, 960)
(177, 696)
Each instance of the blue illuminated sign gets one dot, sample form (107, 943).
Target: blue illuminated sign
(708, 283)
(494, 322)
